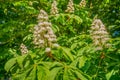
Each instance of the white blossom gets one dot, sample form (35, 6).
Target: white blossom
(47, 50)
(70, 7)
(56, 45)
(99, 34)
(54, 9)
(23, 49)
(43, 33)
(83, 3)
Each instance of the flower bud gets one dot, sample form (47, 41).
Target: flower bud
(56, 45)
(47, 50)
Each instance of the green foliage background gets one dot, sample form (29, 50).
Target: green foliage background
(76, 58)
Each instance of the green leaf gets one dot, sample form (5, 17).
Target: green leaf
(10, 64)
(54, 72)
(107, 1)
(20, 60)
(87, 66)
(67, 53)
(28, 37)
(55, 28)
(108, 75)
(26, 64)
(80, 75)
(82, 61)
(55, 67)
(32, 75)
(74, 46)
(65, 75)
(68, 74)
(78, 19)
(23, 75)
(74, 63)
(42, 72)
(13, 51)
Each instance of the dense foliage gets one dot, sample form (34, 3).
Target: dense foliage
(75, 55)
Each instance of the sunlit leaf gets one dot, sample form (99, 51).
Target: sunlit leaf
(9, 64)
(23, 75)
(66, 75)
(32, 74)
(42, 72)
(108, 75)
(20, 60)
(82, 61)
(80, 75)
(54, 72)
(67, 53)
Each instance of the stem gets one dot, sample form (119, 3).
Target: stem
(50, 55)
(100, 61)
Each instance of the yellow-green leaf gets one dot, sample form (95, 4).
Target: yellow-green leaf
(9, 64)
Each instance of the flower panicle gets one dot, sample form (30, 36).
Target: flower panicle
(99, 34)
(23, 49)
(43, 35)
(70, 7)
(82, 3)
(54, 9)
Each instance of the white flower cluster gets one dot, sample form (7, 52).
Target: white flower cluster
(43, 33)
(23, 49)
(70, 7)
(54, 9)
(82, 3)
(99, 34)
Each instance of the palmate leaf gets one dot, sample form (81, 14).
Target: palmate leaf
(62, 71)
(34, 72)
(80, 75)
(73, 73)
(10, 64)
(23, 75)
